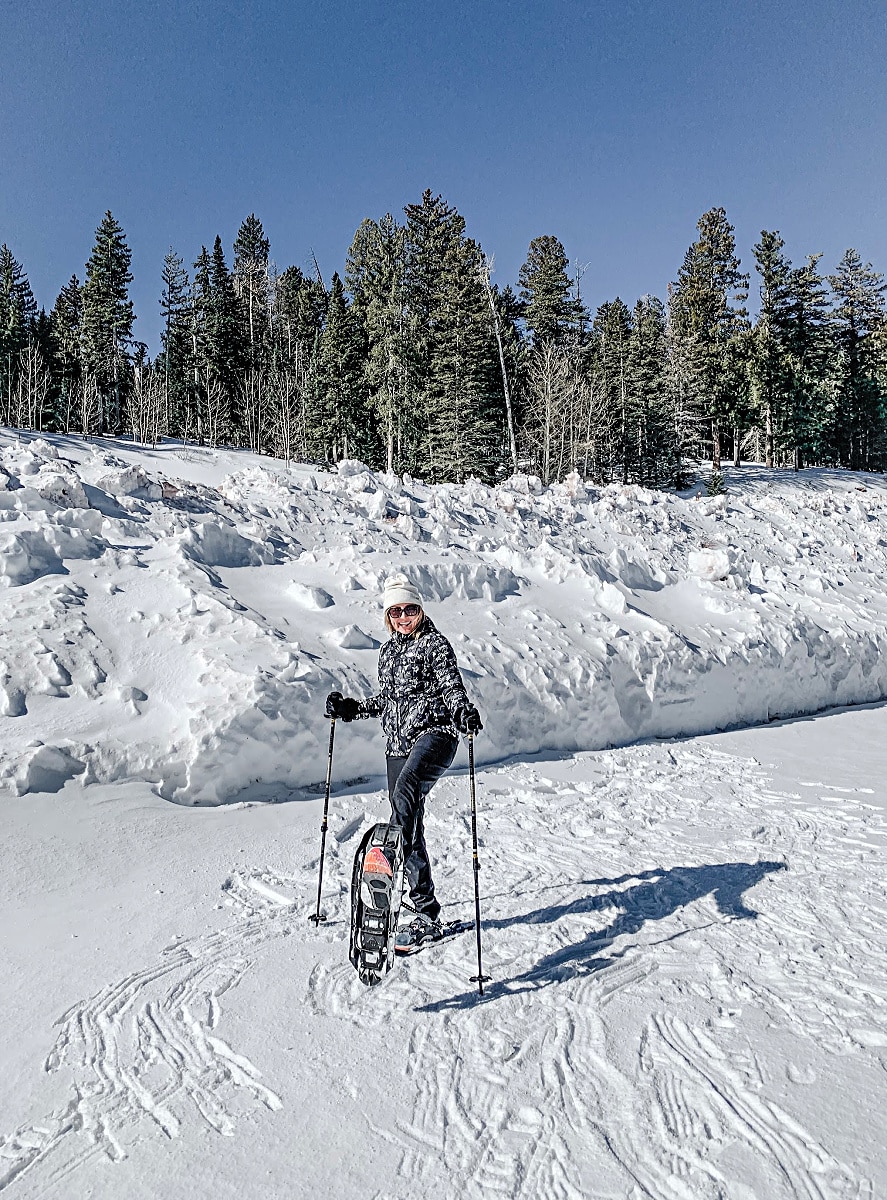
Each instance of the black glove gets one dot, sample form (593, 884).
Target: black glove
(343, 707)
(467, 719)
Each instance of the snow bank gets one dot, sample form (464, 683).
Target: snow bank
(178, 615)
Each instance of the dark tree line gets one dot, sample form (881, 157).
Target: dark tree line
(414, 360)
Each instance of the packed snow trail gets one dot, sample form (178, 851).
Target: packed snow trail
(688, 971)
(611, 1045)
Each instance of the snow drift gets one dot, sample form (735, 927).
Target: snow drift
(178, 615)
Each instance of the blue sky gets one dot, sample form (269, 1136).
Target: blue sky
(611, 125)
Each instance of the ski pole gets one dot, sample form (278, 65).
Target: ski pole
(319, 916)
(480, 979)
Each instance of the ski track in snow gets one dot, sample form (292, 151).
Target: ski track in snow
(608, 1057)
(145, 1051)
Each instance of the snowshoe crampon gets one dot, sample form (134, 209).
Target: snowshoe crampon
(419, 934)
(376, 888)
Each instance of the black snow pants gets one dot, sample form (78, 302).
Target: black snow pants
(410, 780)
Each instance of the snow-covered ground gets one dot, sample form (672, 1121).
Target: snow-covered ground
(687, 937)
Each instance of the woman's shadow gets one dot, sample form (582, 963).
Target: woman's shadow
(661, 893)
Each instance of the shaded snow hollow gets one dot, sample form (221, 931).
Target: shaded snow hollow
(178, 615)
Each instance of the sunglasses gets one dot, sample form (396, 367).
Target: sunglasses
(408, 610)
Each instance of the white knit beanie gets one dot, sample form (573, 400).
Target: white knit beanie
(399, 590)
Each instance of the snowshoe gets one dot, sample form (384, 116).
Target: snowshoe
(376, 889)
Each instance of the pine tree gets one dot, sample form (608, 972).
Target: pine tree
(215, 347)
(432, 229)
(107, 322)
(251, 285)
(17, 310)
(339, 427)
(611, 334)
(455, 399)
(202, 366)
(463, 387)
(376, 279)
(227, 348)
(708, 316)
(551, 313)
(299, 305)
(809, 421)
(654, 455)
(858, 319)
(67, 328)
(770, 364)
(174, 363)
(252, 277)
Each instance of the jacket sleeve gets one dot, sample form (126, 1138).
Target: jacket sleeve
(447, 676)
(371, 707)
(374, 706)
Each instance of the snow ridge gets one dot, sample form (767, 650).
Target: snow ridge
(177, 615)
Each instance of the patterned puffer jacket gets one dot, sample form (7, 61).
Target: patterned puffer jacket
(420, 688)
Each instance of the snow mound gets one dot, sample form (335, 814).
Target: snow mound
(46, 769)
(26, 556)
(709, 564)
(179, 616)
(130, 481)
(217, 545)
(442, 580)
(311, 597)
(352, 637)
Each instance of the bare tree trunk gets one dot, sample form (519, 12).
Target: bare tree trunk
(253, 402)
(215, 399)
(90, 403)
(146, 405)
(389, 422)
(32, 390)
(550, 392)
(486, 268)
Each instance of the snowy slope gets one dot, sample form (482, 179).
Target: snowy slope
(177, 615)
(686, 937)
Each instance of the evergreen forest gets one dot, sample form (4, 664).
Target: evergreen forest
(414, 360)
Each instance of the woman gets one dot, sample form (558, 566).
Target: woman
(423, 705)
